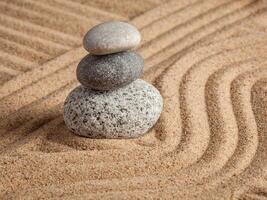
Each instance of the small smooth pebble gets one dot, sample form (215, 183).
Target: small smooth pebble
(127, 112)
(109, 72)
(111, 37)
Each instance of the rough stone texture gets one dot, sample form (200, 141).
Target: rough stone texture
(127, 112)
(109, 71)
(111, 37)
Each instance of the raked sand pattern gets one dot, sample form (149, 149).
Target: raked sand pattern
(207, 58)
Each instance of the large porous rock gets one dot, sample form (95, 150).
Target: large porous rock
(127, 112)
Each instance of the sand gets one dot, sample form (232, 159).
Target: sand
(207, 58)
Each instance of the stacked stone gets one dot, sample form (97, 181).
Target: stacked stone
(112, 102)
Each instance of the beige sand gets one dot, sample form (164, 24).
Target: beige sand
(208, 59)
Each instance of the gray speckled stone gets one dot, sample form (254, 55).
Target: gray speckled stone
(109, 72)
(127, 112)
(111, 37)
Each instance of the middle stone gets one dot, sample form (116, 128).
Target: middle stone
(108, 72)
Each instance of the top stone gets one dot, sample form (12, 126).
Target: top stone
(111, 37)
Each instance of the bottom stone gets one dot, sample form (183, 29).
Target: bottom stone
(127, 112)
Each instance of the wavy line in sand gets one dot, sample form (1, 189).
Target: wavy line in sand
(244, 98)
(243, 137)
(15, 23)
(18, 115)
(12, 20)
(82, 168)
(87, 168)
(223, 143)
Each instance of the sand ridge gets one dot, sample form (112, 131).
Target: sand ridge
(208, 60)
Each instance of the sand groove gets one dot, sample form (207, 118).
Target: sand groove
(40, 31)
(173, 51)
(36, 38)
(33, 42)
(85, 10)
(36, 27)
(210, 141)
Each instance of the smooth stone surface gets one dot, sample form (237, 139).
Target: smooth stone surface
(128, 112)
(109, 72)
(111, 37)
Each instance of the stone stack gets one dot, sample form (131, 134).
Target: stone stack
(112, 102)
